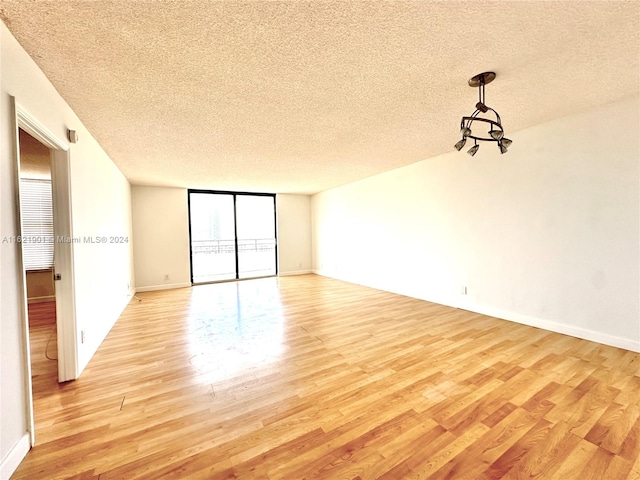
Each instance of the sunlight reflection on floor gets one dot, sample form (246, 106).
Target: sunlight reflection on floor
(235, 325)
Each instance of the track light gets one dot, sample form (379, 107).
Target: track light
(495, 132)
(460, 144)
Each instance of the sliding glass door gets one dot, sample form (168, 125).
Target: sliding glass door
(213, 247)
(256, 232)
(233, 235)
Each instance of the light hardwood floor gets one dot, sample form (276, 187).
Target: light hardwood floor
(44, 349)
(309, 377)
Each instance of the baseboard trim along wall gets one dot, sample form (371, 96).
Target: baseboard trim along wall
(169, 286)
(548, 325)
(295, 272)
(48, 298)
(557, 327)
(15, 457)
(153, 288)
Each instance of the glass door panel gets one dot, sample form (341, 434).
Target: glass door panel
(256, 231)
(232, 235)
(213, 245)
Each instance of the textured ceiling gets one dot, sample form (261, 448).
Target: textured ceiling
(298, 97)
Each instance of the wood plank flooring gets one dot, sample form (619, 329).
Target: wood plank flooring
(44, 353)
(309, 377)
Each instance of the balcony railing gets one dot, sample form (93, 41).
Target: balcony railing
(258, 245)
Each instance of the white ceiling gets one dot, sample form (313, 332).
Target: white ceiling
(302, 96)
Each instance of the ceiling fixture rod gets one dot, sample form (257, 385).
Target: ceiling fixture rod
(495, 132)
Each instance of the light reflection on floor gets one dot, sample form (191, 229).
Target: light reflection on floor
(235, 326)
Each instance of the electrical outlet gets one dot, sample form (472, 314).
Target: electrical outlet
(463, 290)
(81, 336)
(166, 276)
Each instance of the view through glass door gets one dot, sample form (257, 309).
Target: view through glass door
(233, 235)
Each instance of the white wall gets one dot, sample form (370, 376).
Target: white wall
(547, 234)
(294, 234)
(100, 206)
(104, 274)
(161, 237)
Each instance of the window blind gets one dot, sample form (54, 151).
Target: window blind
(37, 223)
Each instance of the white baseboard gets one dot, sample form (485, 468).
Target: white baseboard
(294, 272)
(11, 462)
(571, 330)
(48, 298)
(549, 325)
(168, 286)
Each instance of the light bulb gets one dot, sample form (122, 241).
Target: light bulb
(472, 151)
(506, 142)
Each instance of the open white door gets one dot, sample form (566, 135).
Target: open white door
(63, 251)
(63, 272)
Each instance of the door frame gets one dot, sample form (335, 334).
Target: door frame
(63, 251)
(235, 226)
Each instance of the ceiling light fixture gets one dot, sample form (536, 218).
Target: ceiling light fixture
(495, 132)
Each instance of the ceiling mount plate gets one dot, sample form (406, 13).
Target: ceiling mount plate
(476, 81)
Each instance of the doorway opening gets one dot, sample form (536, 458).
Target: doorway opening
(57, 318)
(37, 232)
(232, 235)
